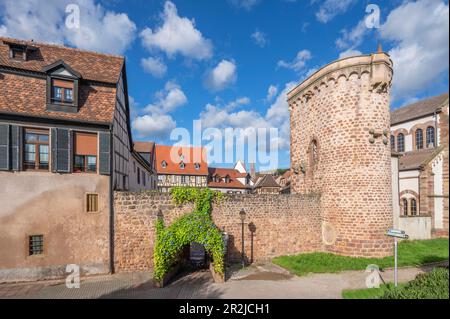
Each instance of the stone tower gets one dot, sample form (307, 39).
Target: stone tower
(340, 149)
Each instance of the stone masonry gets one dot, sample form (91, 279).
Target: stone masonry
(340, 149)
(275, 225)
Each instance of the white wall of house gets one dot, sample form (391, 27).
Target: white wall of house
(395, 190)
(409, 180)
(437, 169)
(230, 190)
(416, 227)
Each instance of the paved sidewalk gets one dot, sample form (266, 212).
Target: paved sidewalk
(257, 281)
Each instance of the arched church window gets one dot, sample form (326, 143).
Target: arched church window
(393, 142)
(400, 142)
(419, 139)
(413, 207)
(430, 137)
(405, 206)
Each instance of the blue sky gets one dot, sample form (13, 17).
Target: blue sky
(231, 62)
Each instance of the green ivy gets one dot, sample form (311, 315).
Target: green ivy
(194, 227)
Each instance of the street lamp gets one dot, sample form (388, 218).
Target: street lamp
(242, 217)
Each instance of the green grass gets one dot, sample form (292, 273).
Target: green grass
(410, 253)
(368, 293)
(432, 285)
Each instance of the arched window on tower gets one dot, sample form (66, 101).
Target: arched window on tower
(419, 139)
(405, 207)
(400, 142)
(314, 154)
(430, 137)
(413, 207)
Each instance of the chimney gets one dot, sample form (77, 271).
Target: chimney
(252, 170)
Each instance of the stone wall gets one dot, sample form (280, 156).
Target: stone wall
(334, 114)
(275, 225)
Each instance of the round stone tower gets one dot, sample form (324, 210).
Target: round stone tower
(340, 149)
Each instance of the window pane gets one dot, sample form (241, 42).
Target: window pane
(92, 163)
(78, 165)
(30, 137)
(43, 137)
(68, 96)
(57, 93)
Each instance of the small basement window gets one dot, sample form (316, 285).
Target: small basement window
(35, 245)
(92, 203)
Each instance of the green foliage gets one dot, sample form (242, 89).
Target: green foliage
(410, 253)
(194, 227)
(432, 285)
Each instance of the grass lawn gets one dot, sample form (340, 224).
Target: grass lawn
(410, 253)
(432, 285)
(369, 293)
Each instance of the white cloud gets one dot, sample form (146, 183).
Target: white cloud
(331, 8)
(299, 63)
(157, 123)
(168, 99)
(100, 30)
(277, 116)
(259, 38)
(154, 126)
(223, 75)
(349, 53)
(177, 35)
(271, 92)
(244, 4)
(154, 66)
(353, 38)
(237, 103)
(421, 51)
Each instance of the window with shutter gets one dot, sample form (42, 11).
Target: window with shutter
(85, 152)
(36, 149)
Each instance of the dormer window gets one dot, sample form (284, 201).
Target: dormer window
(163, 164)
(197, 166)
(62, 87)
(182, 165)
(62, 91)
(18, 54)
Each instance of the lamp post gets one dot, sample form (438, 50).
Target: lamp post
(242, 217)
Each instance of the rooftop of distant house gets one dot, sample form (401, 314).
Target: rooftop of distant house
(226, 178)
(418, 109)
(181, 160)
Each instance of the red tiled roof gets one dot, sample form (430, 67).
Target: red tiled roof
(266, 181)
(172, 155)
(92, 65)
(416, 159)
(222, 173)
(421, 108)
(26, 96)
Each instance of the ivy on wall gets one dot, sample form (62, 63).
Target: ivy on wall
(194, 227)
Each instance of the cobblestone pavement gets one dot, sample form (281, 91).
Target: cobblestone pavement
(257, 281)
